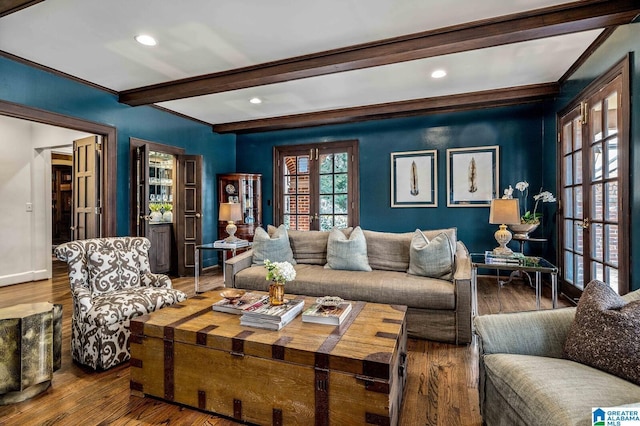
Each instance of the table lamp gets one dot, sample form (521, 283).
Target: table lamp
(504, 212)
(230, 212)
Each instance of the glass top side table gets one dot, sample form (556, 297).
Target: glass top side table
(533, 264)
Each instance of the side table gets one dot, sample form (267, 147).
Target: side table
(523, 240)
(537, 265)
(229, 247)
(30, 349)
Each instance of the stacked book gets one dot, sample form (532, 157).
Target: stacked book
(503, 259)
(264, 315)
(319, 314)
(238, 306)
(230, 245)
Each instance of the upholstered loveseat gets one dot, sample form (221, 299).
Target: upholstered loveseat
(438, 308)
(526, 378)
(111, 282)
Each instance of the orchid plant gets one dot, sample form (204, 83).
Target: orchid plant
(280, 272)
(529, 217)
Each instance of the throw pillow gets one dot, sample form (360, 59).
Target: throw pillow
(347, 254)
(111, 270)
(605, 333)
(433, 258)
(276, 247)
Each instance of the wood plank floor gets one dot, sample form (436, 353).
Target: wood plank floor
(441, 384)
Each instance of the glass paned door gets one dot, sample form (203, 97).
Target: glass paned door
(592, 199)
(317, 186)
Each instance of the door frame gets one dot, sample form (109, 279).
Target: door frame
(109, 136)
(621, 68)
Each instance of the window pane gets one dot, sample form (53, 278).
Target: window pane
(578, 202)
(579, 242)
(287, 221)
(598, 271)
(326, 184)
(290, 184)
(568, 233)
(612, 279)
(303, 204)
(290, 166)
(567, 141)
(568, 264)
(303, 164)
(577, 134)
(611, 241)
(568, 170)
(341, 162)
(612, 114)
(303, 184)
(597, 242)
(579, 271)
(326, 163)
(340, 186)
(596, 161)
(340, 205)
(326, 204)
(597, 200)
(596, 122)
(288, 202)
(568, 202)
(577, 161)
(611, 201)
(341, 221)
(326, 222)
(611, 167)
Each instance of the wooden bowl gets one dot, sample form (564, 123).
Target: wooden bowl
(232, 294)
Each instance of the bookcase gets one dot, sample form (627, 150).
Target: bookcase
(246, 189)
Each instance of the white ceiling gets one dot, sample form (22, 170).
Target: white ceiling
(93, 40)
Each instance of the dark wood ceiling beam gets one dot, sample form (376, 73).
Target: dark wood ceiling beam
(547, 22)
(8, 7)
(441, 104)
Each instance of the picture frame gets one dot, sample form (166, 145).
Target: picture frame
(472, 176)
(414, 179)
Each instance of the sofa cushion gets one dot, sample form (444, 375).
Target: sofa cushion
(347, 254)
(605, 332)
(310, 247)
(111, 270)
(386, 287)
(430, 258)
(553, 391)
(274, 247)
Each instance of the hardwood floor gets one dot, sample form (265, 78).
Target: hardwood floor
(441, 385)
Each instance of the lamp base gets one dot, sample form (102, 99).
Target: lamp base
(503, 236)
(231, 230)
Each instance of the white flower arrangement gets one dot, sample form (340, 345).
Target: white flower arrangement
(528, 216)
(279, 271)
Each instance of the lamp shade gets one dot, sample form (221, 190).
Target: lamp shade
(230, 212)
(504, 211)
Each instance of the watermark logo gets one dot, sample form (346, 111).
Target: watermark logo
(615, 416)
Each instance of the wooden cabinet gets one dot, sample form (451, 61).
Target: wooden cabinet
(246, 189)
(161, 254)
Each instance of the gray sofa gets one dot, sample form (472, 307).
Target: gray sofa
(525, 381)
(438, 309)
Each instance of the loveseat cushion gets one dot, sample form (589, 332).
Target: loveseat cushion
(309, 247)
(430, 258)
(551, 391)
(125, 304)
(377, 286)
(274, 247)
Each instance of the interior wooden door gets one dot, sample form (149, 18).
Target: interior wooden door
(140, 198)
(86, 188)
(189, 211)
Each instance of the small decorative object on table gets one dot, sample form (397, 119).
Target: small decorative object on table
(327, 310)
(279, 273)
(529, 221)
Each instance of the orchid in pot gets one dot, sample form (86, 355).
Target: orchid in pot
(278, 273)
(529, 220)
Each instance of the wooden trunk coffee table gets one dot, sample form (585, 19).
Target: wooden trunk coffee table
(305, 373)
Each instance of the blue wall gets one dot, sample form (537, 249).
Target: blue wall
(33, 87)
(517, 130)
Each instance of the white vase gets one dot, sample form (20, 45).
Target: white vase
(156, 216)
(167, 216)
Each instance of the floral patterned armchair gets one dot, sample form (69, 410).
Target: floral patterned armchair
(111, 282)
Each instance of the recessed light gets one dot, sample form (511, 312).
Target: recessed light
(146, 40)
(438, 74)
(255, 100)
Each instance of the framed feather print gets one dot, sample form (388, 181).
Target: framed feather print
(414, 179)
(472, 176)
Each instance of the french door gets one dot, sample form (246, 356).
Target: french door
(86, 186)
(594, 225)
(317, 185)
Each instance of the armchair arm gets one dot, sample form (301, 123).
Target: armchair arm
(540, 333)
(236, 264)
(462, 284)
(82, 301)
(149, 279)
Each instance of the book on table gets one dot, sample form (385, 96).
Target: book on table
(512, 258)
(230, 245)
(318, 314)
(240, 305)
(264, 315)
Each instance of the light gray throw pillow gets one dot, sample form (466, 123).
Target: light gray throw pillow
(433, 258)
(276, 247)
(347, 254)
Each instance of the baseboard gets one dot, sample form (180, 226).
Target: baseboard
(24, 277)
